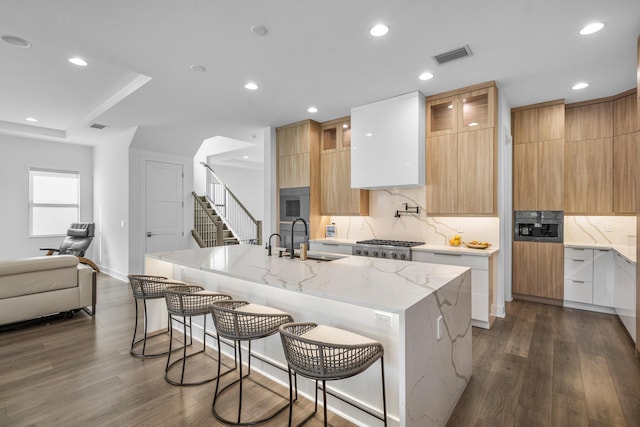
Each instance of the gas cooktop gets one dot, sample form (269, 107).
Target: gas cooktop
(399, 243)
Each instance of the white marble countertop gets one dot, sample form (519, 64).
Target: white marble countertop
(427, 247)
(381, 284)
(629, 252)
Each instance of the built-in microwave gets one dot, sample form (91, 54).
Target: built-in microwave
(539, 226)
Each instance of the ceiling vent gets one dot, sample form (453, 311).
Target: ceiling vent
(97, 126)
(443, 58)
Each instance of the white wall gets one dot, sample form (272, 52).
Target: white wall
(111, 205)
(246, 184)
(137, 161)
(17, 154)
(270, 183)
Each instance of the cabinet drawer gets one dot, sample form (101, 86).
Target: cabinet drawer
(477, 262)
(578, 291)
(579, 253)
(578, 269)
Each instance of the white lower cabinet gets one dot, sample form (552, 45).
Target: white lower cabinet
(482, 280)
(625, 293)
(589, 278)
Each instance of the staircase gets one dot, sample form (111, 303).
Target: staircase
(220, 218)
(209, 228)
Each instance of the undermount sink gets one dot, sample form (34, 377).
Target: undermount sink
(322, 257)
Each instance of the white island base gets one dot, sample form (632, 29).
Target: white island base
(421, 313)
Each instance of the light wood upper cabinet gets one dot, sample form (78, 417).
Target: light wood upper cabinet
(589, 177)
(551, 122)
(525, 177)
(538, 156)
(551, 175)
(336, 196)
(591, 121)
(524, 124)
(476, 171)
(461, 151)
(625, 115)
(625, 151)
(293, 171)
(442, 174)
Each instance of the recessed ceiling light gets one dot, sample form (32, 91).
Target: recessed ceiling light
(245, 157)
(16, 41)
(251, 86)
(591, 28)
(259, 30)
(78, 61)
(198, 68)
(425, 76)
(31, 119)
(579, 86)
(312, 109)
(379, 30)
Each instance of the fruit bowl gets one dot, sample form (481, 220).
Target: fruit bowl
(475, 245)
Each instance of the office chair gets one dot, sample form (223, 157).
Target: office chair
(79, 237)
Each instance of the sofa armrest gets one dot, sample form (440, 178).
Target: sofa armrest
(40, 263)
(87, 287)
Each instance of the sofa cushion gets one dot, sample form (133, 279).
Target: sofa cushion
(39, 274)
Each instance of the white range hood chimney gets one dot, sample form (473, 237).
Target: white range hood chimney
(388, 143)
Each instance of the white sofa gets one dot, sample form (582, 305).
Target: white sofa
(39, 286)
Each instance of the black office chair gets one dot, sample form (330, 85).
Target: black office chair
(79, 237)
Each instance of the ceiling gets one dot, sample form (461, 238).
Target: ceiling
(315, 53)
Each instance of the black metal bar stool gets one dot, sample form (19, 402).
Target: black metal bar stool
(242, 321)
(186, 301)
(324, 353)
(145, 287)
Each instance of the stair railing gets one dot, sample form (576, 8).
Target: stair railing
(238, 219)
(206, 230)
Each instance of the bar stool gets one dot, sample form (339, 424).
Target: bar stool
(186, 301)
(242, 321)
(324, 353)
(145, 287)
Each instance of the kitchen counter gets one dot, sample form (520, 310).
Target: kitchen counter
(420, 312)
(629, 252)
(428, 247)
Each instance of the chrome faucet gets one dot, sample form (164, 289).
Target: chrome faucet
(306, 233)
(268, 247)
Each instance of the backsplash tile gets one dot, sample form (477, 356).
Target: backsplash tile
(381, 223)
(619, 230)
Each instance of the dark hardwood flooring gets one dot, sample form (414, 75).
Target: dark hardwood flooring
(551, 366)
(77, 372)
(540, 366)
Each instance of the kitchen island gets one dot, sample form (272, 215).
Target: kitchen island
(420, 312)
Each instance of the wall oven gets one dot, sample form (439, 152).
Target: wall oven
(294, 203)
(539, 226)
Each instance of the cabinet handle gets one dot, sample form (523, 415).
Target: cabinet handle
(330, 244)
(577, 249)
(577, 260)
(603, 250)
(446, 254)
(578, 281)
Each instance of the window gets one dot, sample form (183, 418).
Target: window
(54, 201)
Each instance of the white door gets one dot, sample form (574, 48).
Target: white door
(164, 205)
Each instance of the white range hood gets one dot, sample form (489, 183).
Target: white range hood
(388, 143)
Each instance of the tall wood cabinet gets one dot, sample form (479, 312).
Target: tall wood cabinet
(336, 195)
(461, 152)
(589, 158)
(538, 156)
(298, 153)
(625, 148)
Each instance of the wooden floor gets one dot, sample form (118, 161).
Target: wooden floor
(540, 366)
(78, 372)
(551, 366)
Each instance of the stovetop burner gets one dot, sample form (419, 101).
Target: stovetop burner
(399, 243)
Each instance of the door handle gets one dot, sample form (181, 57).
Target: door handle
(149, 234)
